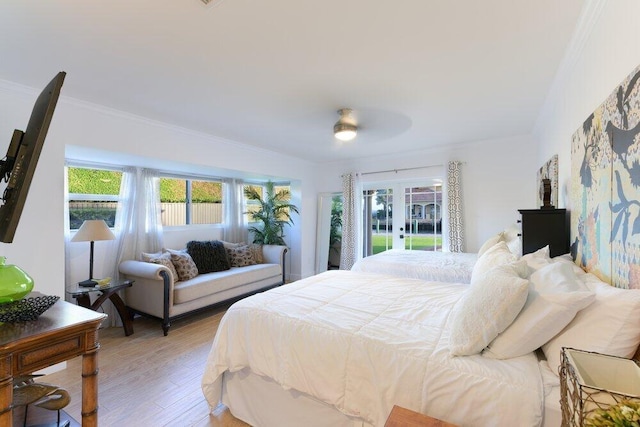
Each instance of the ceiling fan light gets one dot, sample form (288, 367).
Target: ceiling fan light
(345, 128)
(345, 131)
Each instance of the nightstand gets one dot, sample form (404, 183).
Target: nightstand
(402, 417)
(542, 227)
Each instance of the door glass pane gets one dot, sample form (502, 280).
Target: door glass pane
(423, 219)
(381, 238)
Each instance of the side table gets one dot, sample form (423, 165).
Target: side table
(110, 292)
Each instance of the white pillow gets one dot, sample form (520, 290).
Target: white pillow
(567, 259)
(555, 296)
(491, 241)
(495, 256)
(513, 239)
(538, 259)
(610, 325)
(486, 309)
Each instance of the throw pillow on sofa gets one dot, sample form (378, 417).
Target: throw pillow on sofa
(209, 256)
(256, 252)
(162, 258)
(185, 267)
(240, 256)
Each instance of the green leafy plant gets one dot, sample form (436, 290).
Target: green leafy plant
(273, 213)
(335, 232)
(624, 414)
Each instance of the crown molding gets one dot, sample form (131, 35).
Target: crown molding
(589, 16)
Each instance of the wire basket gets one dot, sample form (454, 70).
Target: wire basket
(578, 401)
(26, 309)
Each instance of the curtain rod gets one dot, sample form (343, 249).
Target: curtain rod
(401, 169)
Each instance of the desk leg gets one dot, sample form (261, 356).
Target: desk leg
(90, 387)
(6, 392)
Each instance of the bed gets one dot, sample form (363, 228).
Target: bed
(341, 348)
(426, 265)
(453, 267)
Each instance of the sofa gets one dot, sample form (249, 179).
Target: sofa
(157, 293)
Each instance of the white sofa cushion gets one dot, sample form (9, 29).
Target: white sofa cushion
(210, 283)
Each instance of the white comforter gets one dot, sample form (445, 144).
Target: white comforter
(426, 265)
(364, 342)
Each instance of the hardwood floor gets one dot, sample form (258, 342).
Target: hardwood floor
(147, 379)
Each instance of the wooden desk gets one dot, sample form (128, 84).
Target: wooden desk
(62, 332)
(402, 417)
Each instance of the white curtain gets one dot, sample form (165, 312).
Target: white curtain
(351, 220)
(138, 224)
(69, 285)
(454, 207)
(235, 229)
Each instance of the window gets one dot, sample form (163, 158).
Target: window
(254, 205)
(93, 194)
(190, 201)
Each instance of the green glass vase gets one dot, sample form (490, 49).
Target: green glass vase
(14, 283)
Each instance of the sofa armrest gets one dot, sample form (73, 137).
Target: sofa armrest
(153, 290)
(275, 254)
(146, 270)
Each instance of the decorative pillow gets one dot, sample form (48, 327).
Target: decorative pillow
(240, 256)
(256, 252)
(555, 296)
(487, 308)
(228, 245)
(164, 259)
(495, 256)
(146, 257)
(209, 256)
(609, 325)
(491, 241)
(182, 261)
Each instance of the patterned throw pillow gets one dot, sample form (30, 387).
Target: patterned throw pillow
(164, 259)
(146, 257)
(256, 252)
(209, 256)
(240, 256)
(185, 267)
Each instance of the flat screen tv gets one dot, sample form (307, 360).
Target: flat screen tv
(17, 168)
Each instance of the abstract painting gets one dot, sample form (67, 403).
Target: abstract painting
(549, 171)
(605, 188)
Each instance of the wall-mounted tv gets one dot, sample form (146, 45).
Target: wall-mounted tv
(17, 168)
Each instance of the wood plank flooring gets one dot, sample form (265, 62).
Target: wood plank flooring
(147, 379)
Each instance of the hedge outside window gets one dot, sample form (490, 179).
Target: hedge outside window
(93, 194)
(190, 201)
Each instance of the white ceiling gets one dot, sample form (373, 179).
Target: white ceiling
(418, 73)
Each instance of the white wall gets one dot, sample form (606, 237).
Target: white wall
(498, 178)
(604, 52)
(89, 132)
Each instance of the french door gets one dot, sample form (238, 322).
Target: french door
(403, 215)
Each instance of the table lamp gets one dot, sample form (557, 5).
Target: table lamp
(90, 231)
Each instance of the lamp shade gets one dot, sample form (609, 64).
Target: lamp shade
(93, 230)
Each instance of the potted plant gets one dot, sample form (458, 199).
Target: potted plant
(335, 232)
(273, 213)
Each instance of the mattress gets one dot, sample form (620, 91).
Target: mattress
(425, 265)
(360, 343)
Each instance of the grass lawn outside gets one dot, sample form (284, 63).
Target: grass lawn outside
(382, 242)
